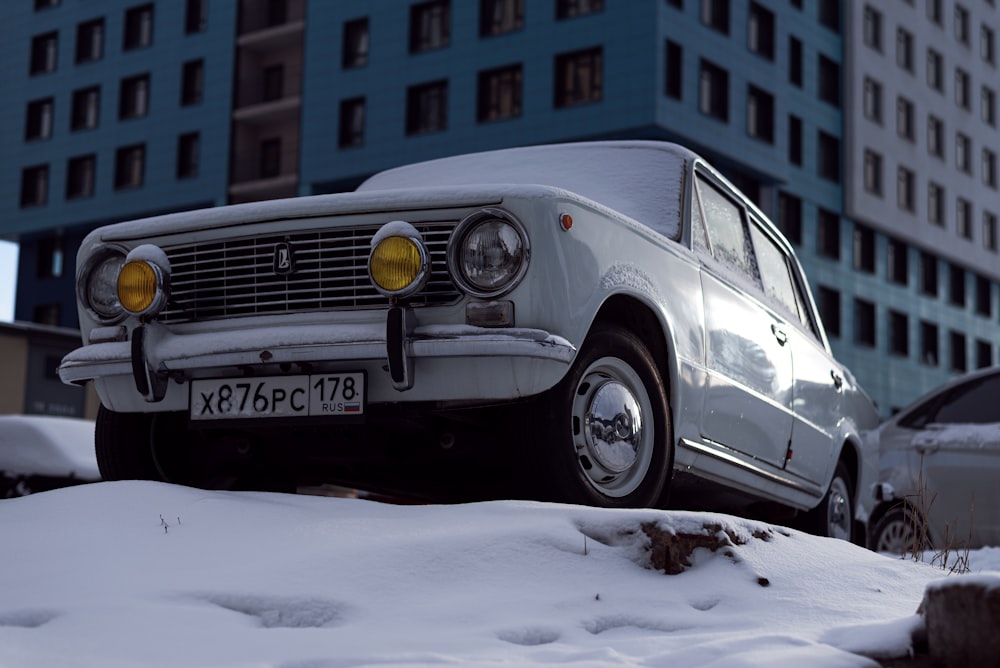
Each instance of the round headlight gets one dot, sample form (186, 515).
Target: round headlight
(140, 287)
(398, 266)
(489, 253)
(98, 287)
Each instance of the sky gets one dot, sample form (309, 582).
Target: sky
(8, 278)
(149, 574)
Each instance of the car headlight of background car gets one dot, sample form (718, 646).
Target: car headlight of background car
(488, 253)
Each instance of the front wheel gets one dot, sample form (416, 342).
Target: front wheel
(123, 445)
(899, 532)
(603, 434)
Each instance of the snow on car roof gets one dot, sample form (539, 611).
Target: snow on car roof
(48, 446)
(641, 179)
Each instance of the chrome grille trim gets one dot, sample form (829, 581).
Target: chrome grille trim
(235, 277)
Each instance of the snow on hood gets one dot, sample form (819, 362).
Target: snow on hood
(47, 446)
(641, 179)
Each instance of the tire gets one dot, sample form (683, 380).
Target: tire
(122, 443)
(575, 419)
(899, 532)
(834, 516)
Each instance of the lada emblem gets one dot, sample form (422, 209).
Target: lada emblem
(284, 261)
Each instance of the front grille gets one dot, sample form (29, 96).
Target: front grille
(236, 277)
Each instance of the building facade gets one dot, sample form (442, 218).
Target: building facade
(122, 109)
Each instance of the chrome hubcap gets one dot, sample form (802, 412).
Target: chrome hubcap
(614, 445)
(839, 510)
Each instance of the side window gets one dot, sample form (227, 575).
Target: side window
(975, 404)
(698, 240)
(726, 231)
(774, 276)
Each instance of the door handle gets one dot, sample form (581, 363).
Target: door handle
(838, 380)
(779, 334)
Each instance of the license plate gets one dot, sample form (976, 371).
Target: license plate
(330, 394)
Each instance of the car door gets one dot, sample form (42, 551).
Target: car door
(957, 439)
(816, 395)
(747, 399)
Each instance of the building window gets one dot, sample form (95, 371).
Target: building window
(795, 140)
(873, 28)
(873, 100)
(934, 12)
(988, 106)
(935, 137)
(138, 27)
(906, 189)
(34, 186)
(188, 151)
(355, 50)
(86, 108)
(760, 114)
(567, 9)
(90, 41)
(963, 84)
(899, 334)
(962, 25)
(45, 4)
(51, 252)
(715, 14)
(956, 286)
(957, 343)
(272, 83)
(986, 49)
(497, 17)
(270, 158)
(864, 249)
(790, 217)
(579, 77)
(760, 31)
(44, 49)
(130, 165)
(352, 123)
(935, 70)
(499, 94)
(277, 13)
(873, 172)
(989, 168)
(928, 274)
(963, 218)
(864, 322)
(828, 234)
(898, 262)
(195, 16)
(80, 173)
(928, 343)
(829, 14)
(427, 108)
(192, 82)
(430, 25)
(984, 354)
(795, 61)
(935, 204)
(984, 296)
(904, 49)
(38, 124)
(47, 314)
(963, 153)
(133, 101)
(829, 81)
(713, 91)
(673, 86)
(905, 126)
(828, 157)
(990, 241)
(828, 303)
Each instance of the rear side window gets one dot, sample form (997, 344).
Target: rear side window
(974, 403)
(726, 232)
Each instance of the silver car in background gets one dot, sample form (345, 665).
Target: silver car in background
(570, 322)
(940, 469)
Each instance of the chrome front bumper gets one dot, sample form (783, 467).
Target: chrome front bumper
(150, 370)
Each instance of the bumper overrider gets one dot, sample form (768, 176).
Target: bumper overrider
(146, 363)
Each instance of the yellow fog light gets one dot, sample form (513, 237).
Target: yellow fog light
(398, 265)
(140, 287)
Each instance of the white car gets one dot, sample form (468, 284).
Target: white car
(43, 452)
(939, 476)
(570, 322)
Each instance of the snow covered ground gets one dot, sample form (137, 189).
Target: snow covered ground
(148, 574)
